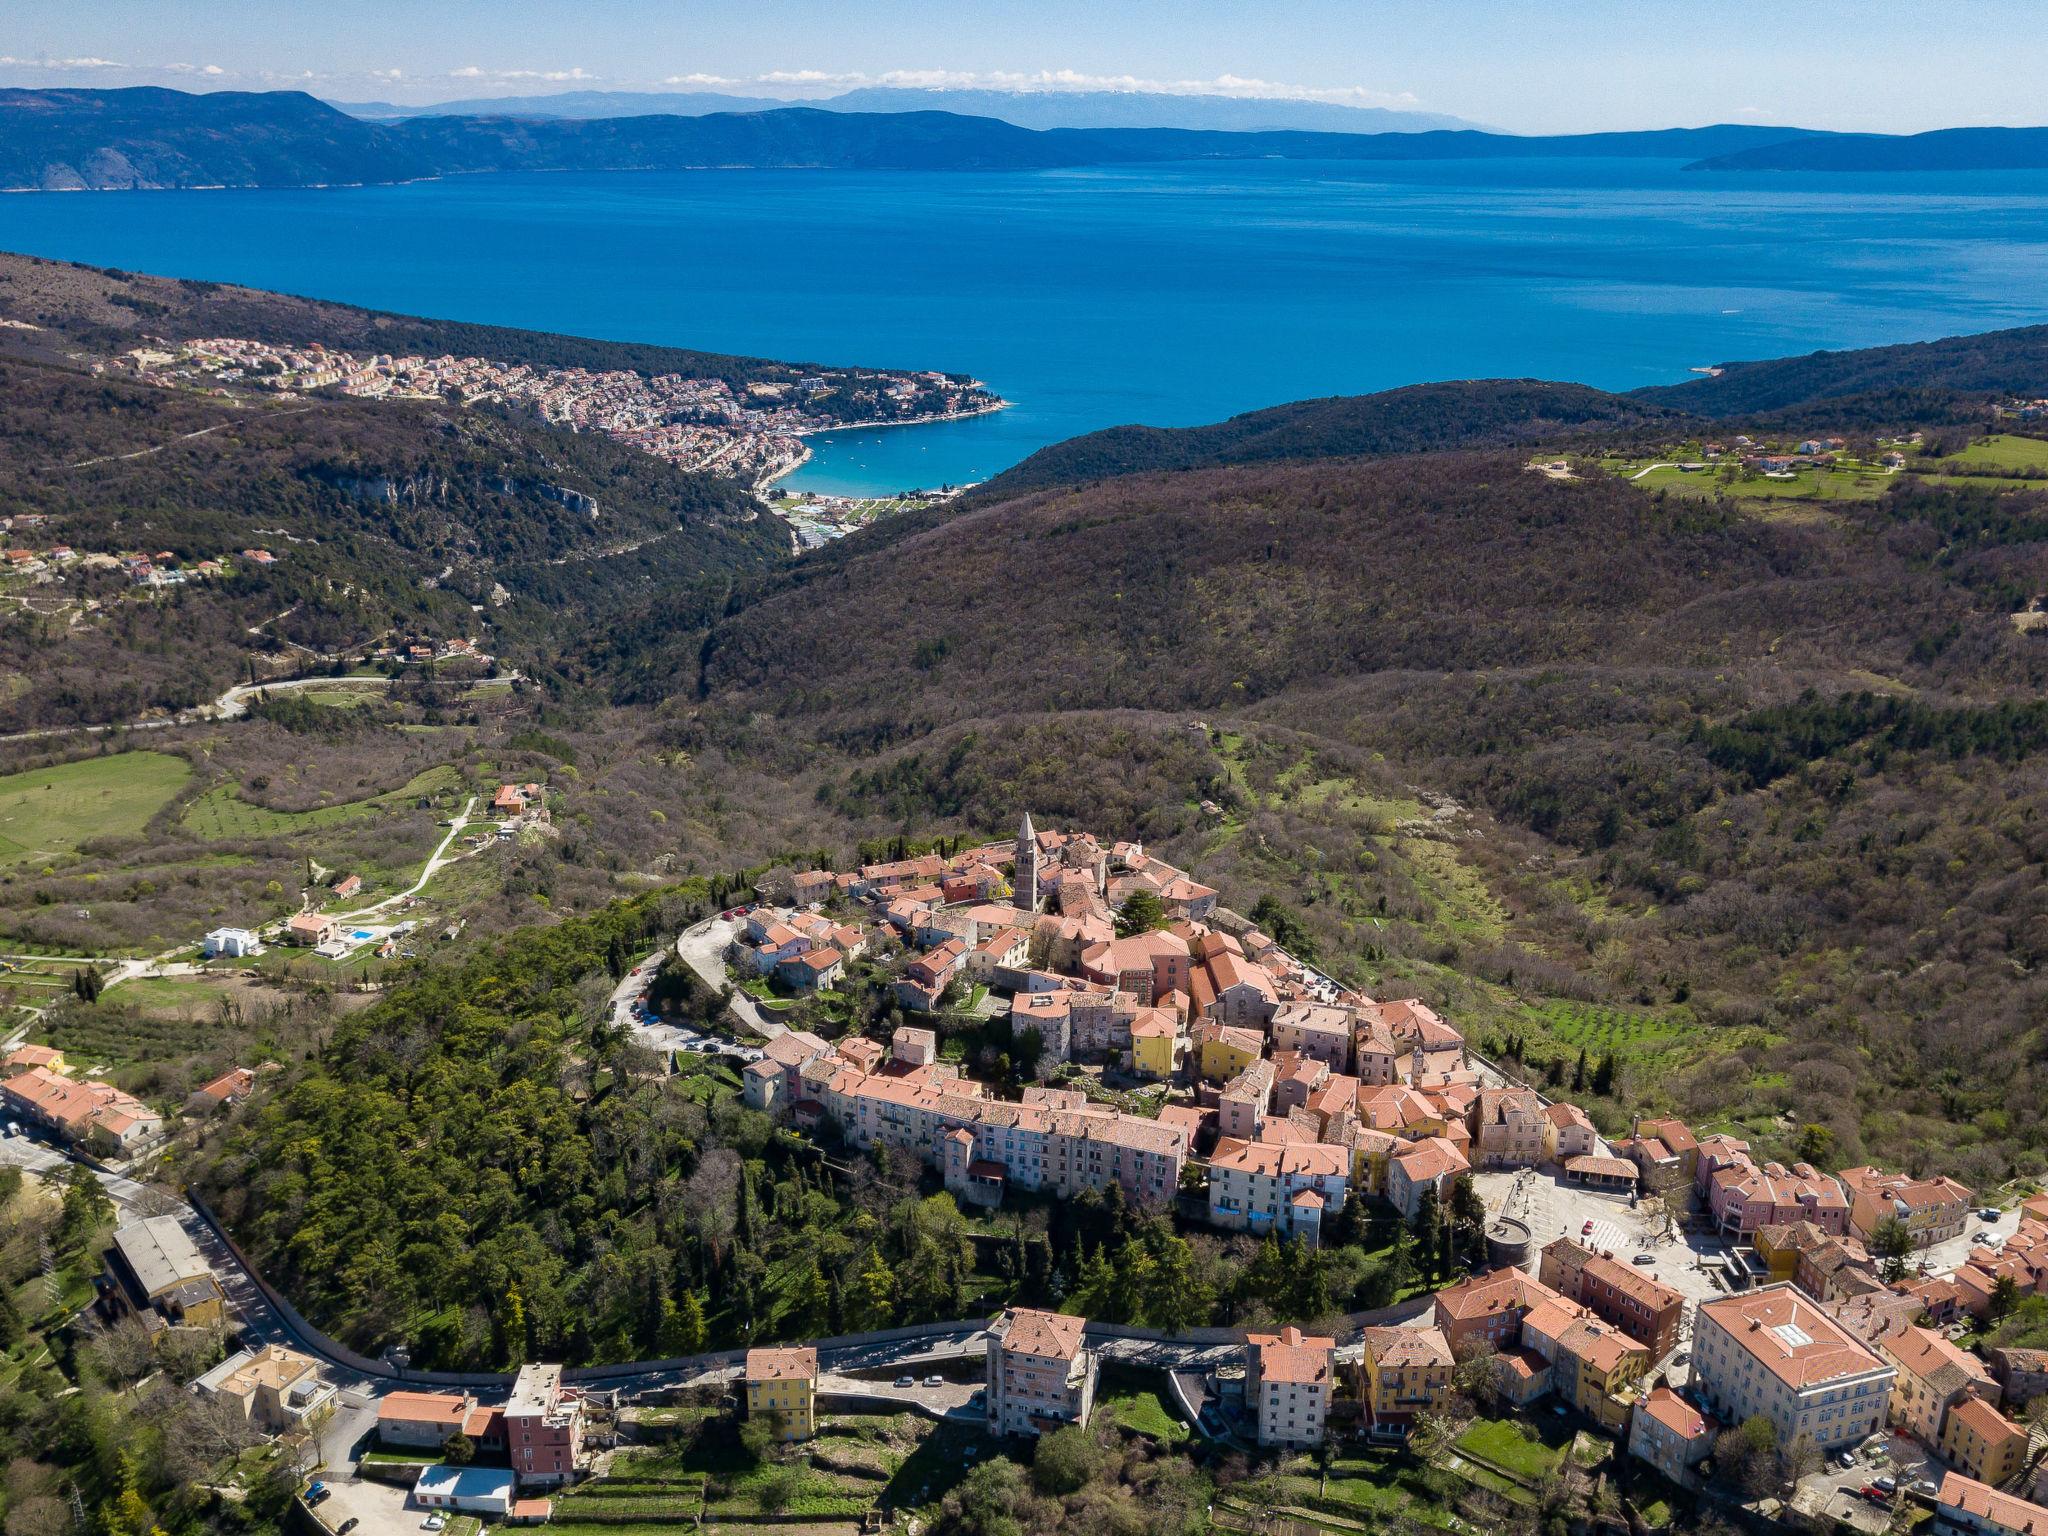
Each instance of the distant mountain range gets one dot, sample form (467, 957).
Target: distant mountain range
(63, 140)
(1025, 109)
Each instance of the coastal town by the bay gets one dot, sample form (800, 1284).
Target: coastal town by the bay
(1707, 1325)
(752, 432)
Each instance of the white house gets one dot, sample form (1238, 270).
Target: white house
(480, 1490)
(230, 944)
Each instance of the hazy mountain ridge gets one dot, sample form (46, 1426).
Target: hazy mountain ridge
(1025, 109)
(126, 139)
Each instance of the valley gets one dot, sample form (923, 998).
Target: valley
(1435, 798)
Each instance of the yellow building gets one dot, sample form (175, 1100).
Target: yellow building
(1601, 1366)
(1980, 1442)
(1154, 1035)
(1227, 1051)
(1403, 1373)
(784, 1381)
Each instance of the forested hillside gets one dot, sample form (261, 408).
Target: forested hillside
(1773, 780)
(1996, 363)
(381, 517)
(1422, 418)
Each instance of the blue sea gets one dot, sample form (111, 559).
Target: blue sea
(1164, 294)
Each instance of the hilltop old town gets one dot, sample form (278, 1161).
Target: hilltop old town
(1701, 1311)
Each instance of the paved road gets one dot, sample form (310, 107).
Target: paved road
(703, 949)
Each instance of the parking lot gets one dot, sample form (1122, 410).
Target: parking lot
(1837, 1491)
(379, 1509)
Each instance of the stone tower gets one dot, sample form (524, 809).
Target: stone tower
(1025, 877)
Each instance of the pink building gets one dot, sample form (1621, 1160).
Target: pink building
(543, 1427)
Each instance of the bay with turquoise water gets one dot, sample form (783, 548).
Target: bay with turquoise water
(1169, 294)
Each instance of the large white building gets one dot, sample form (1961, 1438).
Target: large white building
(1773, 1352)
(1040, 1376)
(1281, 1188)
(1055, 1141)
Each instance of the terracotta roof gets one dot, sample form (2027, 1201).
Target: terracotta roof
(1790, 1336)
(1399, 1347)
(423, 1408)
(1988, 1504)
(798, 1364)
(1293, 1356)
(1028, 1331)
(1990, 1425)
(1675, 1413)
(1424, 1161)
(1500, 1291)
(1318, 1160)
(1923, 1353)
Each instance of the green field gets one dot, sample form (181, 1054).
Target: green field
(1843, 481)
(222, 812)
(47, 813)
(1999, 451)
(1500, 1444)
(1142, 1412)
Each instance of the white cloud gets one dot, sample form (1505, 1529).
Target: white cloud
(8, 61)
(467, 72)
(1053, 80)
(703, 80)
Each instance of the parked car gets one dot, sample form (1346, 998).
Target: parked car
(1644, 1258)
(1886, 1485)
(1989, 1213)
(434, 1523)
(935, 1381)
(1845, 1460)
(906, 1381)
(346, 1526)
(1588, 1227)
(317, 1491)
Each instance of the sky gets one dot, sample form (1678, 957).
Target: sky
(1538, 66)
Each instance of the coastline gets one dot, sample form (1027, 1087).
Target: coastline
(761, 485)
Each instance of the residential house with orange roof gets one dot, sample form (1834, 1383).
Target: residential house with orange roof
(23, 1057)
(1224, 1051)
(782, 1387)
(1744, 1196)
(1677, 1139)
(1625, 1295)
(1671, 1435)
(1433, 1163)
(86, 1111)
(1934, 1375)
(1040, 1375)
(408, 1421)
(1980, 1442)
(1567, 1133)
(1403, 1373)
(1287, 1385)
(1147, 965)
(1932, 1210)
(1776, 1353)
(1965, 1507)
(223, 1092)
(1488, 1310)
